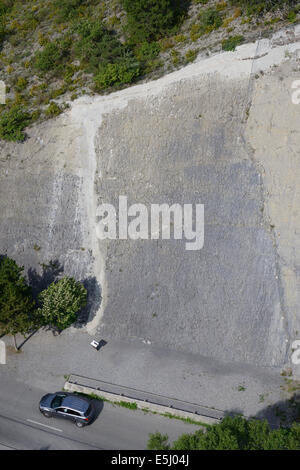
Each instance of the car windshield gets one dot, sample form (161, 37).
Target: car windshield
(57, 400)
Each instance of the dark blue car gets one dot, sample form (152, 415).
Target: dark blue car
(69, 406)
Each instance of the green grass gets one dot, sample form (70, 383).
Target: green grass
(241, 388)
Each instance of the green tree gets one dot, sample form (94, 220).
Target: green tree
(16, 302)
(234, 433)
(61, 302)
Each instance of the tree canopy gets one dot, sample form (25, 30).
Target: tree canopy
(233, 433)
(61, 302)
(19, 313)
(17, 305)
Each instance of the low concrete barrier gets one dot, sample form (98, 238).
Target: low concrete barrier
(2, 352)
(141, 404)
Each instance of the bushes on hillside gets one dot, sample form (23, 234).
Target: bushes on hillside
(112, 62)
(53, 56)
(53, 109)
(12, 123)
(67, 9)
(147, 51)
(97, 46)
(210, 19)
(117, 74)
(2, 31)
(232, 42)
(5, 7)
(148, 20)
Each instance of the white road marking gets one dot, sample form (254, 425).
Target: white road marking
(45, 425)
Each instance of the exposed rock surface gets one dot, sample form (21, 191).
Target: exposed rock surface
(222, 132)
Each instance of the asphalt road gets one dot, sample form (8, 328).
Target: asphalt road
(23, 427)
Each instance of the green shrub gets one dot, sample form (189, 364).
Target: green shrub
(149, 20)
(147, 51)
(196, 31)
(67, 9)
(116, 74)
(180, 38)
(191, 55)
(53, 109)
(5, 8)
(232, 42)
(2, 31)
(292, 16)
(53, 55)
(175, 57)
(97, 45)
(210, 19)
(21, 83)
(13, 122)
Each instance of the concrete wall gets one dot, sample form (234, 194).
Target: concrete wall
(141, 405)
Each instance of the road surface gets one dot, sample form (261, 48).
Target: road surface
(23, 427)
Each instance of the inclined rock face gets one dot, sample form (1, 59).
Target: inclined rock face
(222, 132)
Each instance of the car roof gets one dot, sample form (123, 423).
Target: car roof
(75, 403)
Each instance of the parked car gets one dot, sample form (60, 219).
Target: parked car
(69, 406)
